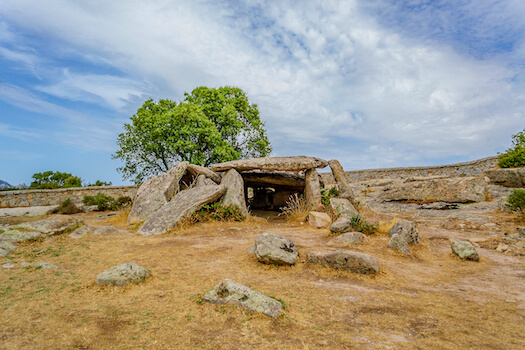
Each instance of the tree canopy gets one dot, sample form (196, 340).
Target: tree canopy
(51, 180)
(514, 156)
(208, 126)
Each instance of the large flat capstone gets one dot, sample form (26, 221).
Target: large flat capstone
(184, 204)
(297, 163)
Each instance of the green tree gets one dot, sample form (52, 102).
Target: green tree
(50, 180)
(209, 126)
(514, 156)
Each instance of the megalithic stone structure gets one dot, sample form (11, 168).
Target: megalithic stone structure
(339, 175)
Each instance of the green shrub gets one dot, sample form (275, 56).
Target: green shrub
(102, 201)
(124, 201)
(514, 156)
(99, 183)
(326, 194)
(68, 207)
(361, 225)
(218, 212)
(52, 180)
(516, 200)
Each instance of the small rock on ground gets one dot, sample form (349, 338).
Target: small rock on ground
(319, 220)
(397, 242)
(407, 229)
(271, 248)
(346, 260)
(465, 250)
(122, 275)
(46, 265)
(350, 238)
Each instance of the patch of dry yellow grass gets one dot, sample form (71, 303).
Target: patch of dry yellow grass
(385, 226)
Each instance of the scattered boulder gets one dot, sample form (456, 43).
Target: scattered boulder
(275, 249)
(397, 242)
(319, 220)
(233, 293)
(312, 190)
(155, 192)
(183, 205)
(451, 190)
(343, 207)
(510, 177)
(341, 225)
(197, 170)
(349, 238)
(122, 275)
(346, 260)
(19, 236)
(6, 248)
(340, 178)
(407, 230)
(51, 226)
(46, 265)
(465, 250)
(297, 163)
(234, 195)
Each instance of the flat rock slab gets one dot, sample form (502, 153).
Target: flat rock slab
(297, 163)
(397, 242)
(346, 260)
(407, 230)
(234, 195)
(511, 177)
(233, 293)
(183, 205)
(6, 248)
(155, 192)
(349, 238)
(122, 275)
(451, 190)
(319, 220)
(51, 226)
(28, 211)
(19, 236)
(465, 250)
(271, 248)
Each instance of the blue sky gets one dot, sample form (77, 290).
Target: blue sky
(372, 83)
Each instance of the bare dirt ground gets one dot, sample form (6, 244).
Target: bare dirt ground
(431, 300)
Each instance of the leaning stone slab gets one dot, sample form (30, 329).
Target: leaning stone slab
(465, 250)
(204, 181)
(234, 195)
(340, 178)
(197, 170)
(155, 192)
(51, 226)
(346, 260)
(275, 249)
(6, 248)
(312, 190)
(183, 205)
(407, 230)
(233, 293)
(343, 207)
(511, 177)
(451, 190)
(341, 225)
(319, 220)
(122, 275)
(297, 163)
(19, 236)
(397, 242)
(349, 238)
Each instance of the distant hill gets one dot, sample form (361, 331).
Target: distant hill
(4, 184)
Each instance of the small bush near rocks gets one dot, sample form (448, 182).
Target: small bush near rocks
(516, 201)
(68, 207)
(326, 194)
(124, 201)
(361, 225)
(514, 156)
(217, 212)
(102, 201)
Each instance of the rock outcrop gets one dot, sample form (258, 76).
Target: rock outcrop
(346, 260)
(51, 226)
(19, 236)
(511, 177)
(275, 249)
(184, 204)
(122, 275)
(233, 293)
(297, 163)
(343, 207)
(407, 230)
(155, 192)
(234, 195)
(340, 178)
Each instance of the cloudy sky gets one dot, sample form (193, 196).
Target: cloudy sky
(373, 83)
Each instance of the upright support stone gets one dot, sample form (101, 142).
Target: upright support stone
(234, 195)
(339, 175)
(312, 190)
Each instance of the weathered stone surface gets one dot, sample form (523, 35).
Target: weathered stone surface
(521, 230)
(399, 243)
(297, 163)
(122, 275)
(28, 211)
(233, 293)
(197, 170)
(312, 190)
(346, 260)
(234, 195)
(46, 265)
(465, 250)
(287, 179)
(19, 236)
(6, 248)
(343, 207)
(452, 190)
(511, 177)
(82, 231)
(155, 192)
(275, 249)
(341, 225)
(319, 220)
(350, 238)
(204, 181)
(51, 226)
(407, 230)
(439, 206)
(181, 206)
(339, 176)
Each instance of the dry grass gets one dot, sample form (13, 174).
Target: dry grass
(385, 226)
(296, 209)
(429, 301)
